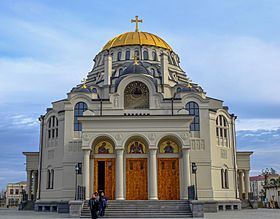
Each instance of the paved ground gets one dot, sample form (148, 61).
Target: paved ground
(244, 214)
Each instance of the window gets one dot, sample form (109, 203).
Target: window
(193, 109)
(127, 55)
(17, 191)
(145, 55)
(224, 178)
(80, 108)
(52, 174)
(222, 130)
(136, 53)
(112, 55)
(11, 191)
(53, 127)
(154, 56)
(173, 60)
(50, 178)
(119, 56)
(170, 60)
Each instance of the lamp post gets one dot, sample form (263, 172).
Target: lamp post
(194, 170)
(77, 168)
(94, 90)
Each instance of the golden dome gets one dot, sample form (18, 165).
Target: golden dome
(137, 38)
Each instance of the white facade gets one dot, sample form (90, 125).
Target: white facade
(150, 100)
(14, 193)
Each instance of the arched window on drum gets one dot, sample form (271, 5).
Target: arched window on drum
(193, 109)
(154, 56)
(119, 56)
(145, 55)
(136, 54)
(127, 55)
(80, 108)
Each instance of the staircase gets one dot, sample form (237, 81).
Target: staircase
(143, 209)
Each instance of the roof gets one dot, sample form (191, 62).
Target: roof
(256, 178)
(137, 38)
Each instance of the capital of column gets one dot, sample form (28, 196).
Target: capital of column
(153, 151)
(185, 149)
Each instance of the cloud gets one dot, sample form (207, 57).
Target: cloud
(266, 147)
(256, 124)
(234, 68)
(24, 121)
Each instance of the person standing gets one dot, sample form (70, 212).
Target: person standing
(94, 206)
(103, 204)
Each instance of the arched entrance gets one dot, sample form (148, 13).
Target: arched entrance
(104, 167)
(136, 170)
(168, 170)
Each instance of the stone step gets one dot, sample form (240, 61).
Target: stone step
(144, 209)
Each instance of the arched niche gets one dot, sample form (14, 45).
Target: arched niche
(103, 145)
(136, 96)
(136, 145)
(169, 145)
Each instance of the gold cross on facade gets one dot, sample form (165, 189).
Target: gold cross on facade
(136, 23)
(135, 60)
(84, 83)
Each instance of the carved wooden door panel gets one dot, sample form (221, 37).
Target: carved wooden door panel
(168, 179)
(109, 187)
(136, 179)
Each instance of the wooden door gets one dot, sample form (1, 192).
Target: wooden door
(168, 179)
(109, 187)
(136, 179)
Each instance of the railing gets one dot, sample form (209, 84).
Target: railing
(80, 193)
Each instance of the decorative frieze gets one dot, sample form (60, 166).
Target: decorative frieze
(197, 144)
(152, 136)
(75, 146)
(223, 153)
(51, 154)
(118, 136)
(52, 142)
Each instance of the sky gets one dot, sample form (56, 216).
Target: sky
(230, 48)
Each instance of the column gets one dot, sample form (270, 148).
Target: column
(246, 183)
(92, 189)
(153, 190)
(240, 183)
(29, 183)
(86, 171)
(186, 172)
(119, 175)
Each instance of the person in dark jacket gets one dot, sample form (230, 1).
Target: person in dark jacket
(94, 206)
(103, 204)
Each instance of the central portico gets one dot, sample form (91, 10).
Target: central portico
(131, 160)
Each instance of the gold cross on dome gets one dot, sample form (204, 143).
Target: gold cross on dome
(136, 21)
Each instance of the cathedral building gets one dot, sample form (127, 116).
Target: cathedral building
(138, 128)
